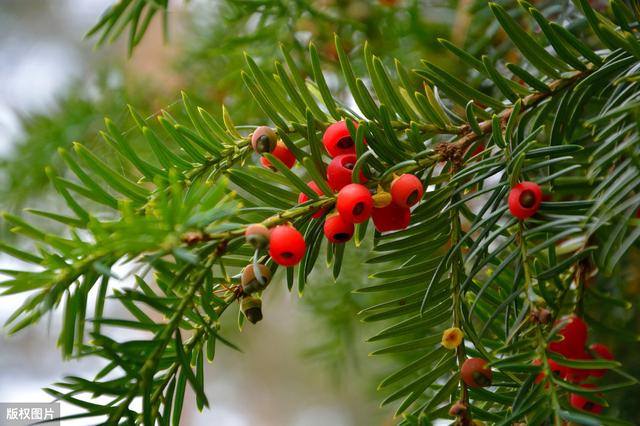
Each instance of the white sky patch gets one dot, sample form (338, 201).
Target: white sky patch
(10, 129)
(85, 13)
(35, 73)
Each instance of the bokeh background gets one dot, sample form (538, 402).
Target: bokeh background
(307, 362)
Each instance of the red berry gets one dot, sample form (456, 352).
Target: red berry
(391, 218)
(340, 170)
(583, 403)
(303, 198)
(337, 230)
(540, 376)
(406, 190)
(524, 199)
(577, 375)
(282, 153)
(338, 141)
(475, 373)
(570, 340)
(600, 351)
(354, 203)
(559, 371)
(478, 149)
(287, 245)
(264, 139)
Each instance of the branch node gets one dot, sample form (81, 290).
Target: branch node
(195, 237)
(450, 152)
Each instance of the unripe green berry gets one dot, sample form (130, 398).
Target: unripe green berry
(257, 235)
(264, 139)
(251, 283)
(251, 308)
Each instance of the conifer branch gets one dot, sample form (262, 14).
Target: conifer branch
(467, 240)
(556, 87)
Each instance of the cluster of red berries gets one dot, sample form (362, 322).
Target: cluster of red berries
(572, 345)
(355, 202)
(525, 199)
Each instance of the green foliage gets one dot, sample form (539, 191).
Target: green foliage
(134, 15)
(566, 118)
(76, 116)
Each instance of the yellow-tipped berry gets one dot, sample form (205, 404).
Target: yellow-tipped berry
(452, 337)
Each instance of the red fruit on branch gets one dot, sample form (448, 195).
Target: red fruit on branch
(406, 190)
(287, 245)
(337, 230)
(340, 170)
(475, 373)
(391, 218)
(559, 371)
(600, 351)
(570, 340)
(479, 148)
(338, 141)
(282, 153)
(583, 403)
(264, 139)
(354, 203)
(577, 375)
(303, 198)
(524, 199)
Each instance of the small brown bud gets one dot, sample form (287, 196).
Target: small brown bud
(540, 316)
(544, 316)
(221, 248)
(458, 408)
(191, 238)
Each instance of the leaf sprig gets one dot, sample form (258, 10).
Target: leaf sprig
(566, 118)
